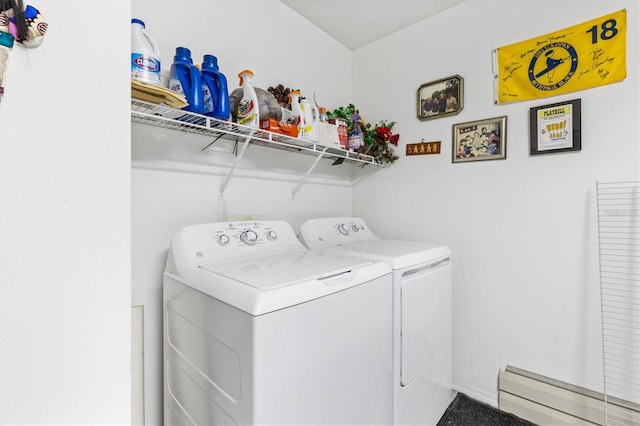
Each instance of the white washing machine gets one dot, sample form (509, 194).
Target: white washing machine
(260, 330)
(422, 311)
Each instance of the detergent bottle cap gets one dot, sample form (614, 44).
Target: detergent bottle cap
(210, 62)
(183, 54)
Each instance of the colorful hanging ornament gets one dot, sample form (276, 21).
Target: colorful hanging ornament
(23, 25)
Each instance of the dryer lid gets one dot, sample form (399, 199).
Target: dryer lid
(397, 254)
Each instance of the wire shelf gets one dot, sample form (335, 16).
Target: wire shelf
(169, 118)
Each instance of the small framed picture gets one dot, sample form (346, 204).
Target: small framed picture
(480, 140)
(555, 128)
(440, 98)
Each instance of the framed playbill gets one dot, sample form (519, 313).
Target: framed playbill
(555, 128)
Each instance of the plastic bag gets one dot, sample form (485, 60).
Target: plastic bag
(267, 103)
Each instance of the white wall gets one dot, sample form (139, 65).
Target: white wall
(64, 221)
(522, 229)
(174, 184)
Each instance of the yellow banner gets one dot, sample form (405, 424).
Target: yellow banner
(587, 55)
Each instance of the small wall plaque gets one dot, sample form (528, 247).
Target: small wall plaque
(423, 148)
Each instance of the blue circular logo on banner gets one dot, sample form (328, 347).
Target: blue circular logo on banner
(553, 66)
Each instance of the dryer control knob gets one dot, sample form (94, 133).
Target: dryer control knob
(343, 229)
(249, 237)
(355, 227)
(272, 235)
(223, 239)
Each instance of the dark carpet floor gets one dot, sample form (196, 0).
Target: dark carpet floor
(464, 411)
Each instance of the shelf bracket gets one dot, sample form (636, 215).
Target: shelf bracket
(237, 160)
(212, 142)
(304, 178)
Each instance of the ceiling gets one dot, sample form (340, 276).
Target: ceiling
(356, 23)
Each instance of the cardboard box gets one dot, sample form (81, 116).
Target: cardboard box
(280, 127)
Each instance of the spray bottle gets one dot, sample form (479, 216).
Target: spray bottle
(296, 110)
(356, 138)
(248, 113)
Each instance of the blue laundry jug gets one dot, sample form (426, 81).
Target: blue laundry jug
(185, 79)
(214, 88)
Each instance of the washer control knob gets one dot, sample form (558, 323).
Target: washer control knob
(249, 237)
(272, 235)
(355, 227)
(223, 239)
(343, 229)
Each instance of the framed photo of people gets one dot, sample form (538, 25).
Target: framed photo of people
(440, 98)
(479, 140)
(555, 128)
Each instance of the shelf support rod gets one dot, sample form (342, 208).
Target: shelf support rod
(237, 160)
(304, 178)
(212, 142)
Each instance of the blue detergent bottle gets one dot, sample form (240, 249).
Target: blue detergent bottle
(214, 88)
(185, 79)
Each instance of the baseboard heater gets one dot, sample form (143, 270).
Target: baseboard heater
(546, 401)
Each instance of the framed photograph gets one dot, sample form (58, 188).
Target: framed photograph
(480, 140)
(555, 128)
(440, 98)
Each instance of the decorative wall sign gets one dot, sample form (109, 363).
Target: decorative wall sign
(555, 128)
(587, 55)
(440, 98)
(423, 148)
(480, 140)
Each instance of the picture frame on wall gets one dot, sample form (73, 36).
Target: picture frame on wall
(479, 140)
(440, 98)
(555, 128)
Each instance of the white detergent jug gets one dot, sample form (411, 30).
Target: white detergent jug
(311, 118)
(145, 55)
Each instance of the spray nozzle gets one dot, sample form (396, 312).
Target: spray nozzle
(245, 73)
(292, 93)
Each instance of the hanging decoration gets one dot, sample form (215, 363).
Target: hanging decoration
(423, 148)
(581, 57)
(24, 25)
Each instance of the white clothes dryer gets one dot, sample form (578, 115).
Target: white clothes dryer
(422, 311)
(260, 330)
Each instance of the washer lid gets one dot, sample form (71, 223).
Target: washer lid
(397, 254)
(264, 284)
(284, 269)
